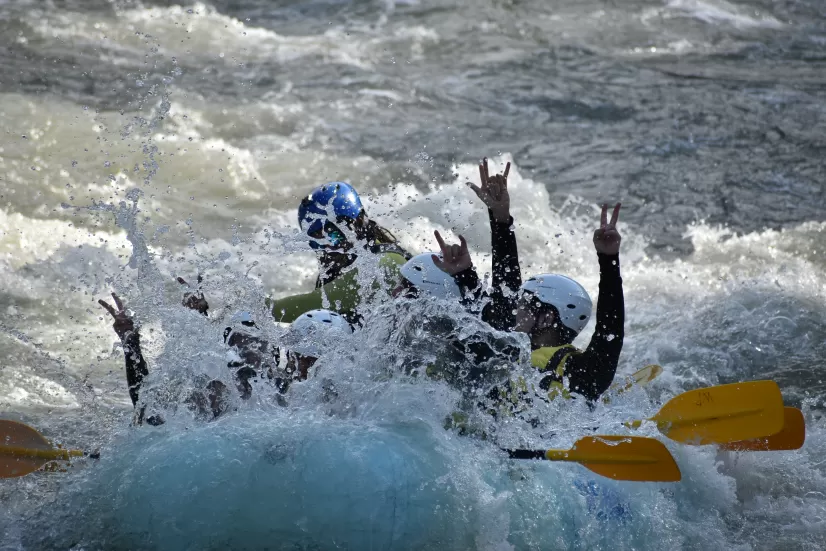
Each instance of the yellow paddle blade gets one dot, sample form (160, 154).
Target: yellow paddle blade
(791, 437)
(622, 458)
(723, 414)
(24, 450)
(641, 377)
(15, 436)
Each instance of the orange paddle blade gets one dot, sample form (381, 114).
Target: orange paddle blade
(791, 437)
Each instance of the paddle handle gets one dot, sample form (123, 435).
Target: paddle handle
(40, 454)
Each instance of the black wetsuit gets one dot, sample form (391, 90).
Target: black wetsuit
(498, 304)
(486, 351)
(589, 372)
(136, 370)
(257, 359)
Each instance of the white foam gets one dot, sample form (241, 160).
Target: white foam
(201, 31)
(719, 11)
(20, 387)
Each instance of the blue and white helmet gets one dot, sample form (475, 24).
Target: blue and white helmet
(326, 204)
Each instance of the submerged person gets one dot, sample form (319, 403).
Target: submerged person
(334, 219)
(254, 356)
(553, 309)
(301, 348)
(308, 337)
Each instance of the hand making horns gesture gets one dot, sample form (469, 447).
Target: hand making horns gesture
(494, 191)
(455, 258)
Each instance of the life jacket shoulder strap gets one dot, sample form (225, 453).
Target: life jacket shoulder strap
(551, 358)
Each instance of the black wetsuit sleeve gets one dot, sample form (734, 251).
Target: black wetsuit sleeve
(507, 276)
(468, 282)
(136, 368)
(591, 372)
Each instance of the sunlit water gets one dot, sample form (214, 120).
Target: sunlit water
(144, 142)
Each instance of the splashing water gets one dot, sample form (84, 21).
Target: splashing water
(385, 432)
(187, 154)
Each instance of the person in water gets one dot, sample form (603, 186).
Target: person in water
(254, 356)
(467, 358)
(496, 305)
(307, 337)
(209, 402)
(552, 308)
(334, 219)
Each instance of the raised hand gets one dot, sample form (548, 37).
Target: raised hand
(607, 239)
(494, 191)
(194, 300)
(123, 321)
(455, 258)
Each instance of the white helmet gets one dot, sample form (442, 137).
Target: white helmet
(423, 273)
(309, 332)
(569, 298)
(242, 317)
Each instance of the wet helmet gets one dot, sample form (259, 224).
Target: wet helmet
(323, 207)
(569, 298)
(423, 273)
(242, 317)
(312, 329)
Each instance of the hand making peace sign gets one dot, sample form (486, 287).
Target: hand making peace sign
(455, 258)
(606, 237)
(123, 321)
(494, 191)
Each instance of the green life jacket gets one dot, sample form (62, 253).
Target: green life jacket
(343, 293)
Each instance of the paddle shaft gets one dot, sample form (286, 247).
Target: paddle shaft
(578, 457)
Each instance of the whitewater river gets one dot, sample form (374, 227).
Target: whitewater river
(148, 140)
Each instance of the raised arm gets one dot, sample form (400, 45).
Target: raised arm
(125, 328)
(507, 276)
(591, 372)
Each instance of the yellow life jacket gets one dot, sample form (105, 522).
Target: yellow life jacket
(553, 358)
(516, 393)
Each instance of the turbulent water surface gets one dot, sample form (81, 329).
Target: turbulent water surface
(149, 140)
